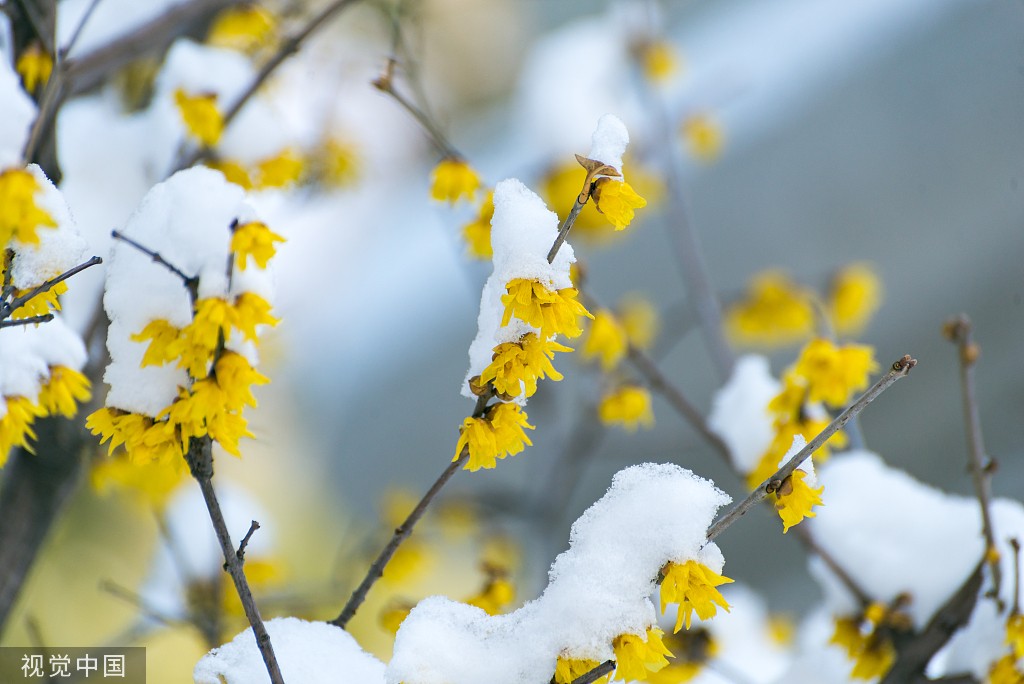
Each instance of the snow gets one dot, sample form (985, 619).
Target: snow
(307, 652)
(28, 352)
(187, 221)
(598, 589)
(609, 141)
(110, 20)
(16, 116)
(739, 411)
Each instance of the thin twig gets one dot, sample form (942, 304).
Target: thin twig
(385, 84)
(807, 539)
(240, 554)
(33, 320)
(43, 32)
(899, 369)
(402, 532)
(191, 283)
(139, 603)
(200, 463)
(65, 50)
(563, 230)
(52, 98)
(600, 671)
(7, 308)
(288, 47)
(959, 331)
(1015, 545)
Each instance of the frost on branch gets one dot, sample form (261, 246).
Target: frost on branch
(598, 590)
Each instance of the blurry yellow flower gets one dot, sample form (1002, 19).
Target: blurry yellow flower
(454, 179)
(640, 320)
(509, 423)
(617, 200)
(151, 482)
(560, 188)
(854, 296)
(496, 596)
(410, 560)
(628, 406)
(116, 426)
(703, 136)
(233, 172)
(163, 345)
(62, 393)
(1004, 671)
(212, 323)
(34, 66)
(637, 657)
(676, 673)
(202, 119)
(247, 28)
(1015, 634)
(553, 312)
(280, 171)
(517, 366)
(692, 586)
(782, 441)
(606, 340)
(337, 163)
(567, 670)
(252, 311)
(20, 216)
(16, 425)
(833, 372)
(40, 305)
(477, 233)
(781, 629)
(774, 312)
(393, 615)
(873, 652)
(659, 61)
(254, 240)
(795, 499)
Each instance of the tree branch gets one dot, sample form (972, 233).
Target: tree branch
(7, 308)
(191, 283)
(600, 671)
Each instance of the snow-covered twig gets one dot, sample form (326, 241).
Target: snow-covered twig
(959, 331)
(34, 320)
(191, 283)
(6, 308)
(900, 369)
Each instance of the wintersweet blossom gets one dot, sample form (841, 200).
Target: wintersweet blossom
(247, 28)
(164, 344)
(16, 425)
(499, 433)
(199, 113)
(795, 499)
(254, 240)
(871, 649)
(704, 137)
(636, 657)
(692, 649)
(477, 233)
(834, 372)
(41, 304)
(775, 311)
(517, 366)
(495, 597)
(1004, 671)
(452, 180)
(568, 670)
(282, 170)
(62, 393)
(336, 162)
(692, 586)
(152, 482)
(808, 429)
(628, 406)
(233, 172)
(211, 324)
(251, 312)
(659, 61)
(606, 340)
(236, 377)
(639, 319)
(20, 216)
(617, 200)
(854, 295)
(552, 312)
(1015, 633)
(34, 65)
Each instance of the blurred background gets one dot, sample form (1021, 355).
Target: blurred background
(886, 132)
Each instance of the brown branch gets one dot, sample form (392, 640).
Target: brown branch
(899, 369)
(200, 463)
(1015, 545)
(386, 84)
(959, 331)
(140, 603)
(191, 283)
(65, 49)
(807, 539)
(33, 320)
(240, 554)
(600, 671)
(7, 308)
(288, 47)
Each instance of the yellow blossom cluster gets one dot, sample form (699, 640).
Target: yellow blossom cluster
(704, 137)
(628, 406)
(248, 28)
(552, 312)
(615, 201)
(42, 303)
(34, 65)
(658, 60)
(795, 499)
(454, 179)
(60, 394)
(637, 657)
(692, 650)
(203, 120)
(495, 435)
(692, 586)
(517, 366)
(867, 639)
(281, 170)
(1006, 670)
(20, 214)
(253, 240)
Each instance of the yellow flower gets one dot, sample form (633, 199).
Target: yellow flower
(204, 411)
(560, 187)
(567, 670)
(774, 312)
(783, 440)
(1004, 671)
(235, 377)
(16, 425)
(659, 61)
(517, 366)
(497, 434)
(617, 200)
(34, 66)
(254, 240)
(693, 649)
(834, 373)
(692, 586)
(552, 312)
(20, 216)
(639, 318)
(703, 136)
(63, 391)
(202, 119)
(337, 165)
(116, 426)
(393, 615)
(795, 499)
(152, 482)
(452, 180)
(477, 233)
(628, 406)
(252, 311)
(497, 594)
(233, 172)
(854, 296)
(164, 344)
(40, 305)
(211, 324)
(280, 171)
(607, 340)
(247, 28)
(1015, 634)
(676, 673)
(410, 560)
(872, 652)
(636, 657)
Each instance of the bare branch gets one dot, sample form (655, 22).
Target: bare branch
(240, 554)
(9, 307)
(600, 671)
(33, 320)
(191, 283)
